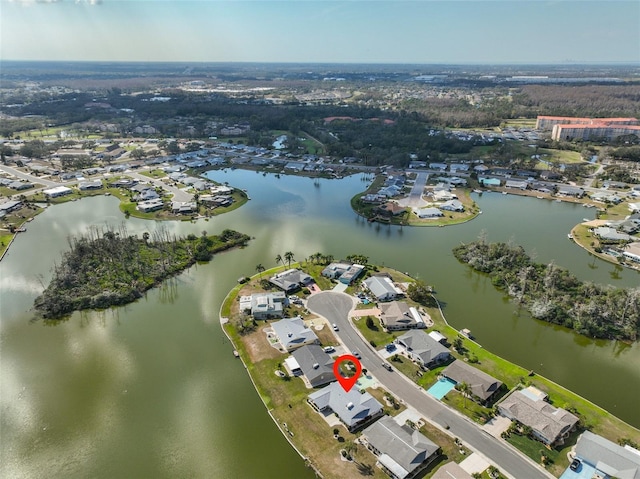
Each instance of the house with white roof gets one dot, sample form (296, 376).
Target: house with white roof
(452, 205)
(355, 409)
(402, 452)
(292, 333)
(382, 288)
(267, 305)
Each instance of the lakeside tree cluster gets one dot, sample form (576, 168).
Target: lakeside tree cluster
(553, 294)
(109, 267)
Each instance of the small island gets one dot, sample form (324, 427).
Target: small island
(553, 294)
(108, 267)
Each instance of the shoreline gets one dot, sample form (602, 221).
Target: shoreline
(556, 389)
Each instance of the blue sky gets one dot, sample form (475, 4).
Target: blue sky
(356, 31)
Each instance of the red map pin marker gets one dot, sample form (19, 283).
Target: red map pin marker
(347, 383)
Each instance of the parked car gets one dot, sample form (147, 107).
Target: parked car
(575, 464)
(387, 366)
(329, 349)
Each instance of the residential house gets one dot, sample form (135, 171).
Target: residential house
(344, 272)
(455, 167)
(484, 388)
(20, 185)
(422, 348)
(9, 206)
(398, 315)
(90, 185)
(451, 470)
(292, 333)
(57, 191)
(314, 364)
(438, 166)
(183, 207)
(267, 305)
(452, 205)
(382, 288)
(529, 406)
(148, 206)
(632, 252)
(607, 458)
(402, 452)
(516, 184)
(291, 280)
(353, 408)
(391, 209)
(610, 234)
(489, 181)
(426, 213)
(550, 175)
(443, 195)
(567, 190)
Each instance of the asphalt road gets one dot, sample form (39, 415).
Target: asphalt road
(335, 308)
(415, 197)
(28, 177)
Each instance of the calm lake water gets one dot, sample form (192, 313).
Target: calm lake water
(152, 389)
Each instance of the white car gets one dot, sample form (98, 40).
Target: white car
(335, 327)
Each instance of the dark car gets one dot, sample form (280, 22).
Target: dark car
(387, 366)
(575, 464)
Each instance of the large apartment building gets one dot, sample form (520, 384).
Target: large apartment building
(572, 128)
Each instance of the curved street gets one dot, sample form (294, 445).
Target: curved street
(335, 307)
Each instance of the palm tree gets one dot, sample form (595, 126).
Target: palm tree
(464, 389)
(279, 260)
(145, 237)
(288, 257)
(260, 269)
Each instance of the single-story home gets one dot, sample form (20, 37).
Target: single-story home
(20, 185)
(150, 205)
(422, 348)
(398, 315)
(291, 280)
(90, 185)
(292, 333)
(490, 181)
(452, 205)
(382, 288)
(428, 213)
(566, 190)
(484, 387)
(343, 272)
(9, 206)
(315, 365)
(353, 408)
(521, 185)
(183, 207)
(57, 191)
(610, 234)
(529, 406)
(606, 457)
(451, 470)
(402, 452)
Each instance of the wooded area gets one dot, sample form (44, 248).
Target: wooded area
(553, 294)
(104, 268)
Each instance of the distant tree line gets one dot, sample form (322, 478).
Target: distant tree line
(553, 294)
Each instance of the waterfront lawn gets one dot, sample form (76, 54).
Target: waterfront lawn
(5, 239)
(532, 448)
(471, 210)
(154, 173)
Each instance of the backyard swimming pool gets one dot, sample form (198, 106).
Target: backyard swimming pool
(441, 387)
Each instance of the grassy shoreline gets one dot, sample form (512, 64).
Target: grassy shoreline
(594, 417)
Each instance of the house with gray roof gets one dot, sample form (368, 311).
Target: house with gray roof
(608, 459)
(398, 315)
(567, 190)
(529, 406)
(422, 348)
(484, 388)
(90, 185)
(291, 280)
(315, 364)
(402, 452)
(518, 184)
(353, 408)
(382, 288)
(344, 272)
(451, 470)
(430, 212)
(267, 305)
(292, 333)
(452, 205)
(610, 234)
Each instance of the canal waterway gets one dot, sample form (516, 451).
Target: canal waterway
(152, 389)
